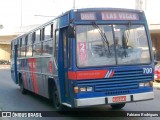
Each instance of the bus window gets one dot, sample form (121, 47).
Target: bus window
(29, 46)
(47, 32)
(56, 46)
(134, 44)
(36, 43)
(92, 50)
(23, 47)
(37, 49)
(37, 36)
(52, 31)
(11, 50)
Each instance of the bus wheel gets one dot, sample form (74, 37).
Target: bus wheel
(22, 89)
(56, 101)
(118, 106)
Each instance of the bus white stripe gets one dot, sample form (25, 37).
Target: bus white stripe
(108, 74)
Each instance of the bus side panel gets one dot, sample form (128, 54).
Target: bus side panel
(46, 71)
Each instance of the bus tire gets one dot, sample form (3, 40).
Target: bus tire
(118, 106)
(22, 89)
(56, 100)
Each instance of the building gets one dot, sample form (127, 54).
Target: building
(5, 40)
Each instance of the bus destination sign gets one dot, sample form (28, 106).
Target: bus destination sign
(107, 15)
(119, 16)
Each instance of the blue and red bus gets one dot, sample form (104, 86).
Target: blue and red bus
(87, 57)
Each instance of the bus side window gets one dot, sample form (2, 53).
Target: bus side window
(26, 43)
(56, 46)
(37, 36)
(29, 46)
(47, 32)
(37, 43)
(47, 46)
(23, 47)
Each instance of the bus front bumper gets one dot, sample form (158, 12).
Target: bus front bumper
(111, 99)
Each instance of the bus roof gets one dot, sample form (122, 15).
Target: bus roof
(109, 9)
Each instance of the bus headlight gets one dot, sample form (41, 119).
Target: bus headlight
(145, 84)
(83, 89)
(86, 89)
(89, 89)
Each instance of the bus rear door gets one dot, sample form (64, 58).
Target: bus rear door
(15, 64)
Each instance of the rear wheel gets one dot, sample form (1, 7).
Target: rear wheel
(22, 89)
(56, 100)
(118, 106)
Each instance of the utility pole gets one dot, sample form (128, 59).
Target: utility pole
(21, 14)
(74, 4)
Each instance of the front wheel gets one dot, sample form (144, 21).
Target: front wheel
(56, 101)
(118, 106)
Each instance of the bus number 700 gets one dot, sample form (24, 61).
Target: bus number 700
(147, 70)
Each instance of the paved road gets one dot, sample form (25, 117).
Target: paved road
(12, 100)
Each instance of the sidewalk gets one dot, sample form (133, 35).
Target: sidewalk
(156, 85)
(4, 66)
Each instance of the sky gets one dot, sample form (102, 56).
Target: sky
(27, 12)
(17, 13)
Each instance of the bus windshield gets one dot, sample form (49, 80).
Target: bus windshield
(101, 45)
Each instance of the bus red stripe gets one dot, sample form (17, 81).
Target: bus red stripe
(111, 74)
(91, 74)
(32, 67)
(24, 77)
(34, 77)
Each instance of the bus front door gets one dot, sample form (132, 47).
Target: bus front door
(64, 57)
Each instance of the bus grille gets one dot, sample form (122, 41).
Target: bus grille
(121, 82)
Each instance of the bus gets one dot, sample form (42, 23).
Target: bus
(86, 57)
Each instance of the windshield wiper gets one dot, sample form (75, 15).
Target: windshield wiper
(103, 36)
(125, 39)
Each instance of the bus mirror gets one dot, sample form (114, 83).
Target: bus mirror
(71, 31)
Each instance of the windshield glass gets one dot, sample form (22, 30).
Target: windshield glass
(100, 45)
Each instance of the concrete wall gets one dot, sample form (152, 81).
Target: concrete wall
(5, 44)
(4, 52)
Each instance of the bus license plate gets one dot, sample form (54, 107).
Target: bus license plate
(119, 99)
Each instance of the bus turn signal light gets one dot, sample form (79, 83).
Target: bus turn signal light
(76, 90)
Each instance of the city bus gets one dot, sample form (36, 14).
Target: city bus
(87, 57)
